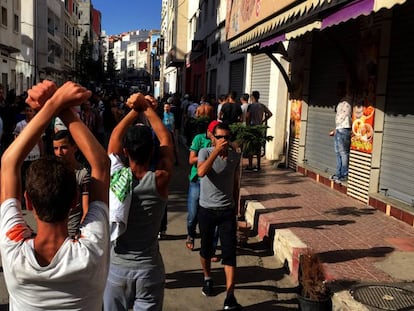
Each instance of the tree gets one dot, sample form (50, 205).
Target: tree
(110, 66)
(88, 69)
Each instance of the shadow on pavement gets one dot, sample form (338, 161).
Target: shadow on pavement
(351, 254)
(351, 211)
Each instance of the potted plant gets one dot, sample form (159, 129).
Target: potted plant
(314, 295)
(250, 138)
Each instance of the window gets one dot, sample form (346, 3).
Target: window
(214, 48)
(50, 51)
(16, 23)
(4, 16)
(50, 26)
(131, 53)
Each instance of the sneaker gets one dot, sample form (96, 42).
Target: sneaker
(341, 179)
(207, 288)
(256, 169)
(231, 303)
(333, 177)
(162, 235)
(248, 169)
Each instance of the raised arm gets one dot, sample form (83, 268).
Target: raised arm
(70, 94)
(94, 154)
(13, 157)
(118, 133)
(166, 154)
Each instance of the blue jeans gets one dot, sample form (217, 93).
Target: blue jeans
(192, 207)
(141, 288)
(342, 145)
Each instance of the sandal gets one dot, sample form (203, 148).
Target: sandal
(189, 243)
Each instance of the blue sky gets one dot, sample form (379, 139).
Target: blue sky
(124, 15)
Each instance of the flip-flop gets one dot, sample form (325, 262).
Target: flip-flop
(189, 243)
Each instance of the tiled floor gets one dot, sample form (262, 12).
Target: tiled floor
(349, 235)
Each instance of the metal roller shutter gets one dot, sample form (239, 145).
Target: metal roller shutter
(237, 76)
(397, 162)
(327, 69)
(261, 76)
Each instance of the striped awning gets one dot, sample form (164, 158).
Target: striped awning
(357, 8)
(307, 16)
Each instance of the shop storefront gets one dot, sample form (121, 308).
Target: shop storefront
(396, 178)
(366, 44)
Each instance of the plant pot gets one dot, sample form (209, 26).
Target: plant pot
(305, 304)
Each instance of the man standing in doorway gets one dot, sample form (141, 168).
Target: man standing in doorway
(342, 133)
(257, 114)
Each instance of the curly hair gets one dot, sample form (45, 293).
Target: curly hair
(51, 187)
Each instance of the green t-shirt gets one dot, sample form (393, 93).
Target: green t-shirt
(199, 141)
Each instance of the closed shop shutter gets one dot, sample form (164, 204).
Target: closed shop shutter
(327, 69)
(237, 76)
(261, 76)
(397, 162)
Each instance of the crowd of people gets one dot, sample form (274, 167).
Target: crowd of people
(68, 155)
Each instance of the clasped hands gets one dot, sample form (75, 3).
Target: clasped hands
(140, 102)
(68, 95)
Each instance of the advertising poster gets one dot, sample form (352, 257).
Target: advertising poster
(364, 107)
(295, 115)
(362, 127)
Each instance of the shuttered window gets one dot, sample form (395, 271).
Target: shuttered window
(261, 76)
(237, 76)
(397, 161)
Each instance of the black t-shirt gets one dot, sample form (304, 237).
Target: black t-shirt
(231, 113)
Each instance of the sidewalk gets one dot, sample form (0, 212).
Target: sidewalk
(357, 243)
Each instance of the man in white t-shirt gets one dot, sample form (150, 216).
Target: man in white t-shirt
(50, 270)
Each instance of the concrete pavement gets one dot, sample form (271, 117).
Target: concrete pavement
(357, 243)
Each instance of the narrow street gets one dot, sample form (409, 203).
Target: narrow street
(260, 281)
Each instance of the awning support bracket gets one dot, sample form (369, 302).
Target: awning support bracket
(282, 71)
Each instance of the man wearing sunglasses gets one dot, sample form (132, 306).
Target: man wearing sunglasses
(218, 167)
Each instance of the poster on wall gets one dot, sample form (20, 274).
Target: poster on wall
(295, 115)
(362, 127)
(364, 107)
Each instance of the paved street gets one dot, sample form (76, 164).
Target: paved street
(261, 283)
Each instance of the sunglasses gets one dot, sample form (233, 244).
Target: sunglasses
(226, 137)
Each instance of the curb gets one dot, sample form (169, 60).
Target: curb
(287, 248)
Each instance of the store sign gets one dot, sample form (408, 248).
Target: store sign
(243, 14)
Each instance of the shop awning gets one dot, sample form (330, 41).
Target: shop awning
(357, 8)
(282, 22)
(307, 16)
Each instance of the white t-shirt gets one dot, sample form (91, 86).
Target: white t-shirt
(74, 280)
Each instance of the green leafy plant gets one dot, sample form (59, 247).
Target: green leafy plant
(250, 138)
